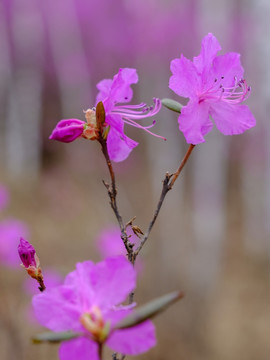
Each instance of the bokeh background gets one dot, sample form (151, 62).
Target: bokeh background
(212, 237)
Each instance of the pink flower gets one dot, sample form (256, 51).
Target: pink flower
(111, 92)
(215, 86)
(68, 130)
(109, 243)
(118, 90)
(10, 232)
(88, 303)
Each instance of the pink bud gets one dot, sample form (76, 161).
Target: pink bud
(27, 253)
(68, 130)
(31, 262)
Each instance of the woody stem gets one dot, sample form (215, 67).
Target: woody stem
(112, 192)
(168, 183)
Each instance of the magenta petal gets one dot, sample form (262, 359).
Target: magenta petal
(80, 348)
(194, 122)
(133, 341)
(119, 146)
(121, 91)
(210, 47)
(56, 309)
(80, 281)
(112, 280)
(184, 80)
(67, 130)
(104, 87)
(118, 313)
(232, 119)
(228, 67)
(129, 75)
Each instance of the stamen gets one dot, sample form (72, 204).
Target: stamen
(132, 106)
(233, 95)
(129, 113)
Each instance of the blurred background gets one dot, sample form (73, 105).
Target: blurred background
(211, 239)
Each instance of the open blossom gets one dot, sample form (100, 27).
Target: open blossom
(88, 303)
(111, 93)
(118, 90)
(215, 87)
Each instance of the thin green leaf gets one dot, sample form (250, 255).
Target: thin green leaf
(54, 337)
(149, 310)
(172, 105)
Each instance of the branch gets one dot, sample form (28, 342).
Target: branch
(168, 183)
(112, 192)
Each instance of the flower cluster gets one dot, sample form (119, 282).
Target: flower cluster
(88, 303)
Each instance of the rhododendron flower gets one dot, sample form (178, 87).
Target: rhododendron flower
(111, 92)
(10, 232)
(87, 303)
(118, 90)
(109, 243)
(215, 87)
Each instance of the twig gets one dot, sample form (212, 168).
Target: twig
(112, 192)
(168, 183)
(100, 348)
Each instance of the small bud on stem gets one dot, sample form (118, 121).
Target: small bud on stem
(30, 262)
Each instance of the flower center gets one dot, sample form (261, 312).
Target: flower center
(94, 323)
(231, 95)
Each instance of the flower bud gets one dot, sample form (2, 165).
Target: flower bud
(68, 130)
(30, 262)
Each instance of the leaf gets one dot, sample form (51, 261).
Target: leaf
(149, 310)
(54, 337)
(172, 105)
(100, 115)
